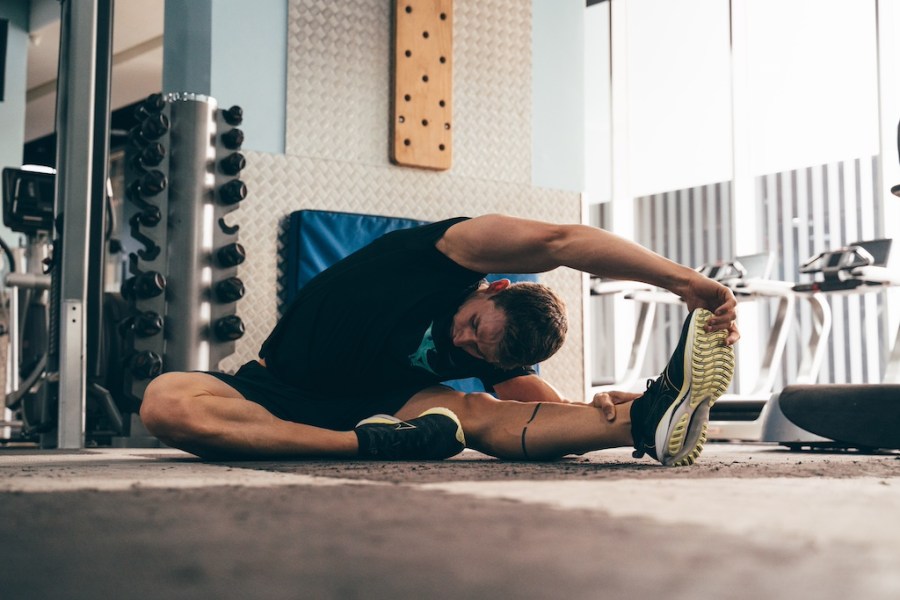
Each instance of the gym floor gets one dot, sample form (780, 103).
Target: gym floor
(748, 521)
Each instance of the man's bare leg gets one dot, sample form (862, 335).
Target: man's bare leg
(532, 430)
(203, 415)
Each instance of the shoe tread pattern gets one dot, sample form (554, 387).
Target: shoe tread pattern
(712, 367)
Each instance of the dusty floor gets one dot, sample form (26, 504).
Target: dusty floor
(751, 521)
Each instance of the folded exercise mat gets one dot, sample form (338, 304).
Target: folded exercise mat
(317, 239)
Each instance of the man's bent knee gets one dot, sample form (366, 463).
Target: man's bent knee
(479, 412)
(479, 401)
(165, 406)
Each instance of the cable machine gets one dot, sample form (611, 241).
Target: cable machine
(81, 357)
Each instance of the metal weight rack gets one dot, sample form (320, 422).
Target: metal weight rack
(183, 178)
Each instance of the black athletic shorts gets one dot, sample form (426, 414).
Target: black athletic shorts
(259, 385)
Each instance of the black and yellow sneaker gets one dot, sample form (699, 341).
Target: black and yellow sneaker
(436, 434)
(669, 421)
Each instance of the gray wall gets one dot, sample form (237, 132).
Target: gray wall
(234, 51)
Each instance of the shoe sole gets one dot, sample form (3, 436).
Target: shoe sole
(708, 367)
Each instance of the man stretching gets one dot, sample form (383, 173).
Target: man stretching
(380, 330)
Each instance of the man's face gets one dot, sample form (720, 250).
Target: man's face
(478, 327)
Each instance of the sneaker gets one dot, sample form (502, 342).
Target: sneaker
(436, 434)
(670, 420)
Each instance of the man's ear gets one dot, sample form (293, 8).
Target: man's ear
(498, 286)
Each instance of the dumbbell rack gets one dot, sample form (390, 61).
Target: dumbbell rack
(182, 174)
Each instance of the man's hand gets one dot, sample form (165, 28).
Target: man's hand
(606, 402)
(703, 292)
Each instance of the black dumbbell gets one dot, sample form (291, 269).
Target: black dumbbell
(234, 116)
(233, 139)
(150, 156)
(233, 164)
(229, 328)
(149, 184)
(149, 284)
(153, 104)
(230, 290)
(154, 127)
(147, 324)
(146, 365)
(233, 192)
(231, 255)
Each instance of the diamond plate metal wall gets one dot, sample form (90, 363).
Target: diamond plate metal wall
(338, 80)
(337, 148)
(338, 88)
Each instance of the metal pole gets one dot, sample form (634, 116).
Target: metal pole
(193, 118)
(99, 179)
(78, 134)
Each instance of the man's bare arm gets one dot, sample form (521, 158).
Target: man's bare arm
(503, 244)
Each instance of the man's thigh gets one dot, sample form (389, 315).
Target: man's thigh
(195, 383)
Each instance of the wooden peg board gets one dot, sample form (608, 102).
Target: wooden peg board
(422, 131)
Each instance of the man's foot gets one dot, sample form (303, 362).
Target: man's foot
(434, 435)
(669, 421)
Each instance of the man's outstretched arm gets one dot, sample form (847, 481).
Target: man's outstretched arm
(503, 244)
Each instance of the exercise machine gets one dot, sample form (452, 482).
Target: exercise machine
(177, 309)
(738, 417)
(733, 417)
(809, 415)
(630, 378)
(27, 209)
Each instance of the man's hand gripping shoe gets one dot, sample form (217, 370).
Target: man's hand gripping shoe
(670, 420)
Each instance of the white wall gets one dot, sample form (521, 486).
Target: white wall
(812, 82)
(806, 71)
(557, 51)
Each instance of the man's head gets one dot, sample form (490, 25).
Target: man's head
(511, 325)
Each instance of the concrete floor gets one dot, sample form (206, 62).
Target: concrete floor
(746, 522)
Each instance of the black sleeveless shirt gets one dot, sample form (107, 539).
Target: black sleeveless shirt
(380, 319)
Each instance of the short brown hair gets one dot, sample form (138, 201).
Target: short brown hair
(536, 324)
